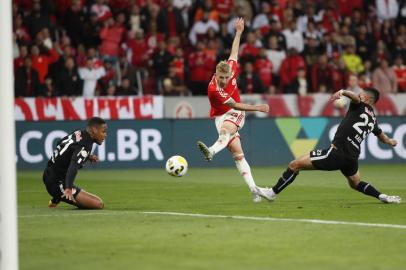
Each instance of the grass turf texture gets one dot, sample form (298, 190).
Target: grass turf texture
(120, 237)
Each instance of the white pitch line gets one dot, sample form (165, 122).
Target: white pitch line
(317, 221)
(314, 221)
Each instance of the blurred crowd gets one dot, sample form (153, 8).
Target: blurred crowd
(143, 47)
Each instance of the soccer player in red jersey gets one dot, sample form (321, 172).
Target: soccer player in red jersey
(229, 113)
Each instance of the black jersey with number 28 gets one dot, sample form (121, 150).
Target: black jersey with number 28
(70, 154)
(359, 121)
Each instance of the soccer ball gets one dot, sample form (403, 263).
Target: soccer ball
(176, 166)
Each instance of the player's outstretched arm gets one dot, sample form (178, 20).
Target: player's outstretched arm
(239, 28)
(385, 139)
(353, 97)
(247, 107)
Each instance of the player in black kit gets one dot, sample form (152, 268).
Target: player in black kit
(70, 155)
(343, 153)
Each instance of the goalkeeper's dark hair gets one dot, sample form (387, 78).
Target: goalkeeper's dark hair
(373, 92)
(95, 122)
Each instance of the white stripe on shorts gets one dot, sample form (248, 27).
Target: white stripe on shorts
(322, 157)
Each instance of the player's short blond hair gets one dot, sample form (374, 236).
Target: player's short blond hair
(223, 67)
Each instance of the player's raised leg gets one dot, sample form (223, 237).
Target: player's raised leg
(288, 176)
(225, 132)
(243, 167)
(355, 182)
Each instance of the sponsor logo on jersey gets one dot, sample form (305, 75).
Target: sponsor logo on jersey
(84, 153)
(371, 113)
(78, 135)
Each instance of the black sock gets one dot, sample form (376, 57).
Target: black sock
(368, 189)
(285, 180)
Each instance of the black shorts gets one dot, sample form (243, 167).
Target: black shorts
(332, 159)
(55, 187)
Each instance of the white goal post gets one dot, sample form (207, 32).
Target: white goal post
(8, 191)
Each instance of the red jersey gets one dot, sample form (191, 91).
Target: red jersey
(219, 96)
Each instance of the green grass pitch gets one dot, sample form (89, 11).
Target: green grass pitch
(122, 237)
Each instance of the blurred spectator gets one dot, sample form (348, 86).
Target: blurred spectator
(58, 66)
(353, 84)
(74, 22)
(26, 83)
(128, 71)
(329, 19)
(312, 32)
(91, 30)
(400, 47)
(261, 20)
(126, 89)
(299, 84)
(20, 30)
(400, 71)
(19, 61)
(68, 81)
(339, 74)
(137, 49)
(90, 75)
(294, 38)
(135, 18)
(207, 6)
(225, 39)
(101, 10)
(48, 89)
(290, 67)
(184, 6)
(201, 68)
(384, 78)
(364, 80)
(387, 9)
(111, 90)
(401, 19)
(110, 75)
(275, 31)
(111, 35)
(200, 28)
(38, 20)
(178, 64)
(170, 21)
(311, 51)
(249, 82)
(263, 66)
(224, 8)
(322, 74)
(381, 52)
(173, 85)
(310, 16)
(365, 44)
(161, 60)
(276, 55)
(330, 44)
(347, 7)
(352, 61)
(41, 61)
(249, 49)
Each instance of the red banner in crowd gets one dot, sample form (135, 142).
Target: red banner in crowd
(79, 108)
(158, 107)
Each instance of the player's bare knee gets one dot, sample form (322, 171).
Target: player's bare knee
(100, 204)
(238, 157)
(295, 166)
(353, 183)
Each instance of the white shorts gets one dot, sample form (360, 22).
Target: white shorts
(233, 116)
